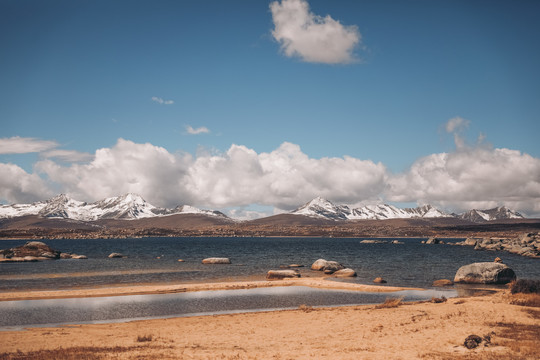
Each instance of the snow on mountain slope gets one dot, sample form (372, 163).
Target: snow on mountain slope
(323, 208)
(498, 213)
(127, 207)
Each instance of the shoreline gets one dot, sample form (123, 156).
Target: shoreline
(152, 289)
(416, 330)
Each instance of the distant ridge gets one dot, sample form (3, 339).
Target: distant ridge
(126, 207)
(325, 209)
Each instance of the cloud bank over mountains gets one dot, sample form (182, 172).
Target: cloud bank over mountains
(477, 176)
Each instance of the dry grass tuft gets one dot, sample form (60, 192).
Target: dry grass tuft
(525, 286)
(306, 308)
(532, 300)
(144, 338)
(438, 300)
(390, 303)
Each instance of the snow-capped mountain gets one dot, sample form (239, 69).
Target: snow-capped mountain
(497, 213)
(125, 207)
(325, 209)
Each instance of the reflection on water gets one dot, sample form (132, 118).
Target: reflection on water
(27, 313)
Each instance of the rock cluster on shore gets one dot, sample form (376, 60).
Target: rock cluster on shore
(527, 244)
(35, 251)
(332, 267)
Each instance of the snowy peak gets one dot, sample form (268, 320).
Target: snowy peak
(323, 208)
(498, 213)
(126, 207)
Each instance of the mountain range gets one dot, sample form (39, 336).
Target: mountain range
(126, 207)
(322, 208)
(132, 206)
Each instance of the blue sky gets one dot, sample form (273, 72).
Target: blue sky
(83, 74)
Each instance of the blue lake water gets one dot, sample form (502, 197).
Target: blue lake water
(411, 264)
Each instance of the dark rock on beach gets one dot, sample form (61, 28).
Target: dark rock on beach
(485, 273)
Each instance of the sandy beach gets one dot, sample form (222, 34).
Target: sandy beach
(421, 330)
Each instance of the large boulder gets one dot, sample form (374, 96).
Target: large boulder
(319, 265)
(216, 260)
(485, 273)
(343, 273)
(328, 267)
(281, 274)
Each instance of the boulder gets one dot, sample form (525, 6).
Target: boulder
(181, 260)
(318, 265)
(397, 242)
(216, 260)
(498, 260)
(343, 273)
(485, 273)
(442, 282)
(379, 280)
(281, 274)
(371, 241)
(433, 241)
(115, 255)
(79, 257)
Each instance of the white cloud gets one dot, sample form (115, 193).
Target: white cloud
(457, 126)
(18, 186)
(285, 178)
(471, 178)
(20, 145)
(68, 155)
(161, 101)
(199, 130)
(311, 37)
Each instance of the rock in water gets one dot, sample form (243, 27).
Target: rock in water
(36, 249)
(485, 273)
(216, 260)
(345, 273)
(116, 255)
(379, 280)
(281, 274)
(319, 265)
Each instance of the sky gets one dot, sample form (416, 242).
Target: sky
(255, 107)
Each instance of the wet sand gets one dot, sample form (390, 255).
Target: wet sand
(409, 331)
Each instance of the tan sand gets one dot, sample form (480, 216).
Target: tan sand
(410, 331)
(319, 282)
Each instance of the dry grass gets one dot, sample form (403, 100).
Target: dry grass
(144, 338)
(306, 308)
(74, 353)
(532, 300)
(525, 286)
(438, 300)
(390, 303)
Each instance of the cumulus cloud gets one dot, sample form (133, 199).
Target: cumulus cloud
(161, 101)
(22, 145)
(311, 37)
(18, 186)
(471, 178)
(195, 131)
